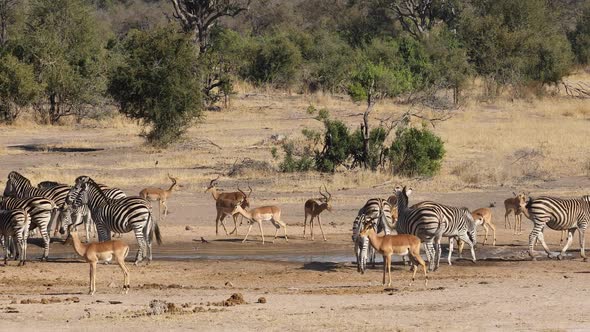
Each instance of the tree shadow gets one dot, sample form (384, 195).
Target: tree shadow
(323, 266)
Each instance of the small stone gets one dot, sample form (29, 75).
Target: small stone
(262, 299)
(115, 302)
(229, 284)
(188, 228)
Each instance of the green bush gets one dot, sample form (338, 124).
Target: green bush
(277, 61)
(293, 164)
(377, 150)
(580, 38)
(416, 152)
(18, 87)
(336, 146)
(157, 82)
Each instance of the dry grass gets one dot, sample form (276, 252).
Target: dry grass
(513, 143)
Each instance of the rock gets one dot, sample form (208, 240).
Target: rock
(188, 228)
(277, 138)
(262, 299)
(158, 307)
(229, 284)
(115, 302)
(234, 299)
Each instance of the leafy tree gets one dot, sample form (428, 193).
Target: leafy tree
(336, 146)
(18, 87)
(416, 152)
(580, 38)
(62, 42)
(276, 61)
(157, 82)
(514, 42)
(379, 73)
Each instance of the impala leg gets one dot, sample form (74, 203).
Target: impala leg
(235, 218)
(304, 225)
(248, 232)
(384, 268)
(570, 237)
(121, 262)
(493, 232)
(321, 229)
(507, 220)
(311, 226)
(165, 209)
(261, 232)
(389, 270)
(485, 228)
(92, 278)
(223, 224)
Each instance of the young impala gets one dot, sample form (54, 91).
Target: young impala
(313, 208)
(100, 251)
(224, 203)
(260, 214)
(160, 195)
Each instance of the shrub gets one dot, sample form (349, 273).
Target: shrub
(276, 61)
(293, 164)
(336, 146)
(18, 87)
(416, 152)
(157, 82)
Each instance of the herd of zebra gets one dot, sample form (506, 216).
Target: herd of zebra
(51, 205)
(431, 221)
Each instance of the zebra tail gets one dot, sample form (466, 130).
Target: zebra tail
(158, 235)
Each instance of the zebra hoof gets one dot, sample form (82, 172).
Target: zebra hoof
(560, 257)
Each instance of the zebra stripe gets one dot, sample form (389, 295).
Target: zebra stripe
(19, 186)
(425, 222)
(120, 216)
(378, 212)
(459, 224)
(558, 214)
(81, 212)
(15, 224)
(39, 209)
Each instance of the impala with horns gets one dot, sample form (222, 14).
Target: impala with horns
(225, 202)
(160, 195)
(260, 214)
(314, 208)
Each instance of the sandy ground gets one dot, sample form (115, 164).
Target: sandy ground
(307, 285)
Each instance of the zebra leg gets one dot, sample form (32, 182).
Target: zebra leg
(451, 241)
(466, 239)
(570, 237)
(582, 230)
(429, 249)
(438, 252)
(537, 229)
(46, 239)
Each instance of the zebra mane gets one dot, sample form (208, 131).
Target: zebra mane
(88, 180)
(16, 176)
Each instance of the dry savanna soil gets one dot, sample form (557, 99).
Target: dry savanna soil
(198, 280)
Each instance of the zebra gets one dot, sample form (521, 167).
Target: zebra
(15, 224)
(39, 209)
(558, 214)
(81, 213)
(19, 186)
(120, 216)
(378, 212)
(425, 222)
(460, 225)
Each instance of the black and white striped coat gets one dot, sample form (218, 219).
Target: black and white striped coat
(39, 209)
(558, 214)
(15, 224)
(378, 212)
(459, 224)
(427, 223)
(119, 216)
(19, 186)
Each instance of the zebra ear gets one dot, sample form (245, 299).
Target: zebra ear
(409, 191)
